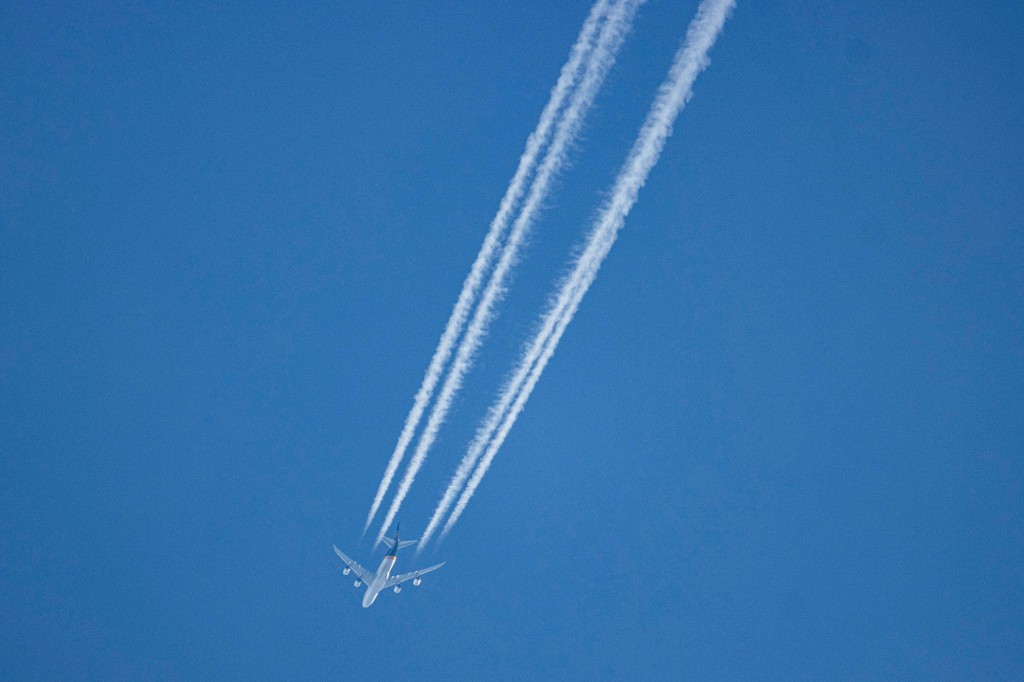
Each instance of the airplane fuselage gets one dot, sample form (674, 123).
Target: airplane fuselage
(379, 580)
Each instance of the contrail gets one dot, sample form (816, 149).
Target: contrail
(567, 79)
(611, 36)
(672, 96)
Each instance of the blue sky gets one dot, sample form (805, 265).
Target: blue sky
(780, 440)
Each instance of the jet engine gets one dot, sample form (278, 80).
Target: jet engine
(397, 589)
(358, 583)
(346, 571)
(417, 581)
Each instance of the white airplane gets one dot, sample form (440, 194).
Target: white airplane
(382, 579)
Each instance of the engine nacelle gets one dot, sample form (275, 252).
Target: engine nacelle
(358, 583)
(346, 571)
(417, 581)
(397, 589)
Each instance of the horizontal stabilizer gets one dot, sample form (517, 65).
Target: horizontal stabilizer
(390, 542)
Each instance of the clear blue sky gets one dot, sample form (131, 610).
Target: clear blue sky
(781, 440)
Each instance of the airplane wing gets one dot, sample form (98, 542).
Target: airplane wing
(402, 577)
(361, 572)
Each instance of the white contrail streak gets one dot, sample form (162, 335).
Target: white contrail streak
(674, 93)
(567, 79)
(611, 36)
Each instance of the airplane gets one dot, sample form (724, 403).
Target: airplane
(382, 579)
